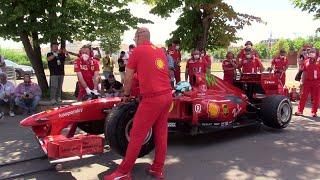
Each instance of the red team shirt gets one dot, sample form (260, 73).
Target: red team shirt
(176, 55)
(279, 64)
(87, 69)
(152, 73)
(250, 66)
(228, 74)
(195, 66)
(311, 70)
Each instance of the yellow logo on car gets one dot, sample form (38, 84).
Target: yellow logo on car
(213, 110)
(160, 64)
(171, 107)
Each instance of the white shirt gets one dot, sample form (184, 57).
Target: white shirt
(6, 89)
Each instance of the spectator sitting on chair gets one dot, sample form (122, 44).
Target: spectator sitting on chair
(28, 95)
(112, 87)
(7, 93)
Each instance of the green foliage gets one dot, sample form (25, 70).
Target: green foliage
(311, 6)
(210, 24)
(20, 57)
(280, 44)
(262, 49)
(111, 43)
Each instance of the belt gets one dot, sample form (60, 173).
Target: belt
(159, 93)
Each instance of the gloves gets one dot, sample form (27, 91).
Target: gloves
(95, 92)
(88, 91)
(55, 54)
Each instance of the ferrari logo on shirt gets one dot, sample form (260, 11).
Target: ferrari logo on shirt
(160, 64)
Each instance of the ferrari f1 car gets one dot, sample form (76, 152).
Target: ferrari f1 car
(209, 105)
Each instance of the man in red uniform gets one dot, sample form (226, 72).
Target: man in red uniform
(229, 68)
(87, 70)
(280, 64)
(174, 51)
(311, 69)
(242, 53)
(153, 109)
(206, 58)
(195, 65)
(251, 63)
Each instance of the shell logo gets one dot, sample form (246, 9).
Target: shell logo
(171, 107)
(213, 110)
(160, 64)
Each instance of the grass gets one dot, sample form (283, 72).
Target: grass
(19, 57)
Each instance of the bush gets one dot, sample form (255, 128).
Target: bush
(20, 57)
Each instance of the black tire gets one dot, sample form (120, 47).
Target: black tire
(117, 128)
(276, 111)
(92, 127)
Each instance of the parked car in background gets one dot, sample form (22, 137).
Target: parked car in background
(20, 70)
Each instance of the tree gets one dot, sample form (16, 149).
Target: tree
(311, 6)
(43, 21)
(280, 44)
(111, 43)
(262, 50)
(207, 24)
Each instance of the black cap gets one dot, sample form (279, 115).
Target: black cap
(282, 51)
(248, 43)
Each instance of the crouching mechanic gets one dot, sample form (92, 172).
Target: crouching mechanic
(87, 70)
(153, 109)
(280, 64)
(311, 69)
(195, 65)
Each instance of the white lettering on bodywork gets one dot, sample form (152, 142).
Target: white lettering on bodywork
(236, 111)
(69, 113)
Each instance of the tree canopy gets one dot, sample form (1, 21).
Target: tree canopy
(311, 6)
(43, 21)
(203, 23)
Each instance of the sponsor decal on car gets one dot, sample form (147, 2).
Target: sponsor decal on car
(225, 109)
(171, 124)
(236, 110)
(213, 109)
(197, 108)
(69, 113)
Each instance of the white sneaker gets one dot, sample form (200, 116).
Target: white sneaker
(11, 113)
(1, 115)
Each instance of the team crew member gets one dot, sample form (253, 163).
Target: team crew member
(242, 53)
(87, 70)
(206, 58)
(153, 109)
(195, 65)
(280, 64)
(229, 67)
(311, 69)
(174, 51)
(250, 64)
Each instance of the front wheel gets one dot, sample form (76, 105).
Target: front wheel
(276, 111)
(117, 129)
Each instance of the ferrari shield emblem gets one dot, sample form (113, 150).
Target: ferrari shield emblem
(225, 109)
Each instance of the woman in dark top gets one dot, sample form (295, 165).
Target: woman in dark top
(122, 66)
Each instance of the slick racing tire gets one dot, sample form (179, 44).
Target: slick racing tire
(117, 129)
(276, 111)
(92, 127)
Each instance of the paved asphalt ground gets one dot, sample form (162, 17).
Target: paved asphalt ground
(246, 153)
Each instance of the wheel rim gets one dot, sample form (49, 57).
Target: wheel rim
(128, 129)
(284, 112)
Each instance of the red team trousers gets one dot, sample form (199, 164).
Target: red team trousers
(177, 73)
(152, 113)
(309, 87)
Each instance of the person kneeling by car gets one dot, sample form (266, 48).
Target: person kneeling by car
(6, 93)
(27, 95)
(112, 87)
(87, 70)
(311, 69)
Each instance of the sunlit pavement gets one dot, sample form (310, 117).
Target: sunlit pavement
(247, 153)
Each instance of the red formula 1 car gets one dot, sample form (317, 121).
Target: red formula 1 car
(210, 105)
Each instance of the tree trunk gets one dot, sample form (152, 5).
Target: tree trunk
(34, 54)
(202, 41)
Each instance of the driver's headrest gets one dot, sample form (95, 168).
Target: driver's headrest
(183, 86)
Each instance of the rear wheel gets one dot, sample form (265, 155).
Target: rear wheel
(276, 111)
(118, 126)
